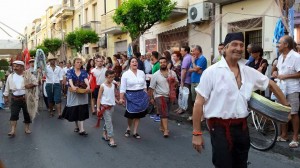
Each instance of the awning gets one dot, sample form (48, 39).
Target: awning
(171, 26)
(10, 47)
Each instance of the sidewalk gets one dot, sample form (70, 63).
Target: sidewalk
(279, 147)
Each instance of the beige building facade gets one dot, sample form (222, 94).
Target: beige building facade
(214, 19)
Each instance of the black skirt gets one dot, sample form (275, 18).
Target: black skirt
(135, 115)
(76, 113)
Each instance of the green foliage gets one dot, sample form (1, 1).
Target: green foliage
(79, 37)
(137, 16)
(32, 53)
(52, 44)
(4, 65)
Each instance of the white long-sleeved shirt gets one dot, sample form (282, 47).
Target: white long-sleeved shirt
(130, 81)
(54, 76)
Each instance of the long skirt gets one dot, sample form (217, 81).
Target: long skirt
(77, 108)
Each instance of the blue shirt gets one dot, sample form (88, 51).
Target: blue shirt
(77, 80)
(249, 60)
(202, 63)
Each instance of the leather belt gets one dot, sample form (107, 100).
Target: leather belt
(20, 97)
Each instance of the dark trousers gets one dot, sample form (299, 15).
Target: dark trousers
(16, 106)
(233, 154)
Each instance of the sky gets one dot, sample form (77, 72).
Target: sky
(17, 14)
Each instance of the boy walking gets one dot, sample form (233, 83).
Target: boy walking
(105, 106)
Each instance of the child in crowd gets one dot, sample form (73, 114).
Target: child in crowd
(105, 106)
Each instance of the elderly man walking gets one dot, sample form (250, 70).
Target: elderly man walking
(222, 96)
(15, 84)
(288, 71)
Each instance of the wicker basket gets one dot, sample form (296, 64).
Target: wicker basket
(79, 90)
(268, 108)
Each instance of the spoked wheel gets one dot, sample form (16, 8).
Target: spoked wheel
(263, 131)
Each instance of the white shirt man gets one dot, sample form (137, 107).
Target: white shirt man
(288, 70)
(222, 96)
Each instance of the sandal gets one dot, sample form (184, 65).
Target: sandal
(83, 133)
(76, 130)
(127, 133)
(112, 145)
(180, 111)
(136, 136)
(27, 131)
(11, 134)
(105, 139)
(280, 139)
(294, 144)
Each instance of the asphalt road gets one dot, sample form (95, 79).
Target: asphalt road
(53, 144)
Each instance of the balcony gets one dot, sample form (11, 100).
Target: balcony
(180, 9)
(223, 2)
(108, 25)
(65, 11)
(93, 25)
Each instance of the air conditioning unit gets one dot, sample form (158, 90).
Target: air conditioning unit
(199, 12)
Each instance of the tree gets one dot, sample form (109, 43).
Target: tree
(79, 37)
(52, 45)
(4, 64)
(32, 52)
(137, 16)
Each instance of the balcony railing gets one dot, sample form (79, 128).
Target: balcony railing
(64, 11)
(108, 25)
(93, 25)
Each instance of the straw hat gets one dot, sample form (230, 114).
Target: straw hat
(51, 56)
(31, 60)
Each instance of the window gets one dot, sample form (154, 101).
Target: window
(252, 37)
(95, 12)
(86, 15)
(86, 50)
(252, 29)
(79, 20)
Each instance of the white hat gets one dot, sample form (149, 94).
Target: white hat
(19, 62)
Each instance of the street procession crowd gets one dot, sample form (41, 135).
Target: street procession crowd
(218, 93)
